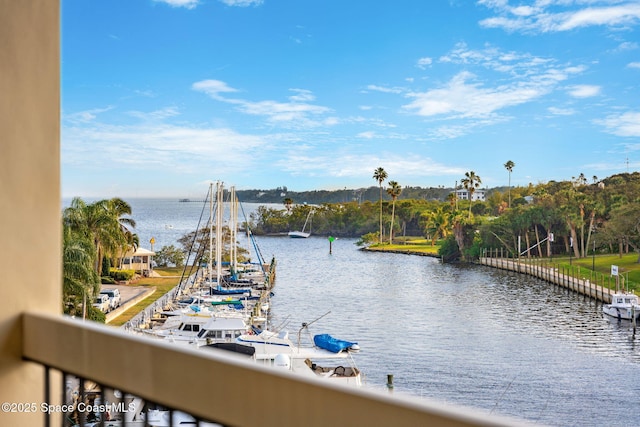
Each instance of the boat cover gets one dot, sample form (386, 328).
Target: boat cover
(334, 345)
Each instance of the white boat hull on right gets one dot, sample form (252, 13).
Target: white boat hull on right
(623, 306)
(624, 313)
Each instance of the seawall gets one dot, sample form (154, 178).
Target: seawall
(553, 275)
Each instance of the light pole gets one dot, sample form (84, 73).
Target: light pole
(593, 259)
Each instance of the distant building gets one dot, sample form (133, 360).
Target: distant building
(478, 195)
(140, 260)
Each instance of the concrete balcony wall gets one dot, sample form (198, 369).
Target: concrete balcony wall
(29, 188)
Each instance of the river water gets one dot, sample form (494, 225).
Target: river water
(463, 334)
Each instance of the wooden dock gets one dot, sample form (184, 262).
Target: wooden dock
(547, 272)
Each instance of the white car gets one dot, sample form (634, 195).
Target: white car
(114, 297)
(101, 302)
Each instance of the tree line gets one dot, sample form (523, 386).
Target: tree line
(577, 216)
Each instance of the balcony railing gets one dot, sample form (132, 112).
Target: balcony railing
(213, 385)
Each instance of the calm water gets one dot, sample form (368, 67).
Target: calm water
(466, 335)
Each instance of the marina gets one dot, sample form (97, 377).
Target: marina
(479, 336)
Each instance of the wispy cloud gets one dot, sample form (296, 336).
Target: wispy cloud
(560, 15)
(85, 116)
(584, 91)
(561, 111)
(189, 4)
(213, 88)
(298, 112)
(634, 65)
(242, 3)
(423, 63)
(350, 165)
(625, 124)
(466, 95)
(384, 89)
(158, 145)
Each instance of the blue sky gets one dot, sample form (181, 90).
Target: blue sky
(160, 97)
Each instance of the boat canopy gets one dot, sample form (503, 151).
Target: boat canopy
(334, 345)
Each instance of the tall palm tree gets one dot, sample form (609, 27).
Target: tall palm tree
(394, 191)
(380, 175)
(509, 166)
(103, 223)
(79, 280)
(471, 181)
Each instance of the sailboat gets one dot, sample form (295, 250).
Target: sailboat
(302, 234)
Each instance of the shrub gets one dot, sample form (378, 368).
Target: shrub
(107, 280)
(121, 275)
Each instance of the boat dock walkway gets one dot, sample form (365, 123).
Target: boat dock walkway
(557, 276)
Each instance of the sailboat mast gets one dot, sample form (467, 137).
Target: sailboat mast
(233, 227)
(219, 213)
(210, 233)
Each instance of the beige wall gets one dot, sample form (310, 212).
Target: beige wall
(29, 188)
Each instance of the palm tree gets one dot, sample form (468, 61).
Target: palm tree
(471, 181)
(79, 279)
(509, 166)
(380, 175)
(103, 223)
(438, 224)
(394, 191)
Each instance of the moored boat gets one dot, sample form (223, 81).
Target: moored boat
(623, 306)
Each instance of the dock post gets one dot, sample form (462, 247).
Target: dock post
(390, 382)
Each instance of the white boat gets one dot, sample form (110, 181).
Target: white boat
(202, 330)
(302, 234)
(276, 349)
(623, 306)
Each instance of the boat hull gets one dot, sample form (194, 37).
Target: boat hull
(623, 313)
(299, 234)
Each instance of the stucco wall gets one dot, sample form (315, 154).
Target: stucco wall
(30, 267)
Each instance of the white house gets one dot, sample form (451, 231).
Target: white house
(140, 260)
(478, 195)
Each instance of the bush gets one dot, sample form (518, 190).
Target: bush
(95, 314)
(449, 250)
(107, 280)
(121, 275)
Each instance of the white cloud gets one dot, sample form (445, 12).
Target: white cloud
(189, 4)
(85, 116)
(213, 88)
(367, 135)
(157, 145)
(556, 16)
(584, 91)
(384, 89)
(403, 168)
(302, 95)
(423, 63)
(561, 111)
(463, 97)
(297, 113)
(634, 65)
(626, 46)
(626, 124)
(155, 115)
(242, 3)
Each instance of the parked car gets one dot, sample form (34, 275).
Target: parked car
(101, 302)
(114, 297)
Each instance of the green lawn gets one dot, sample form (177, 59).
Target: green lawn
(417, 245)
(628, 268)
(162, 285)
